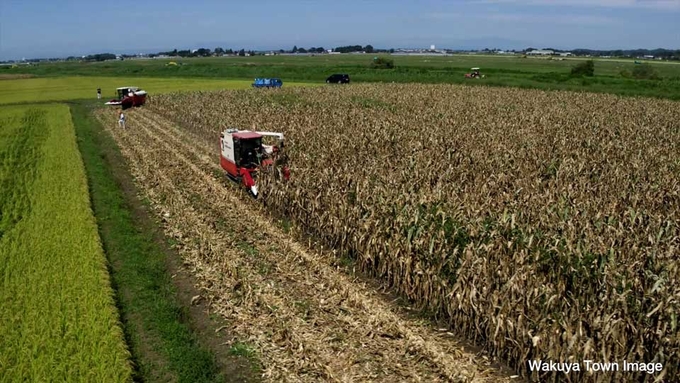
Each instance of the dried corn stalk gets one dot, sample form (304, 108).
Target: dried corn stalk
(542, 224)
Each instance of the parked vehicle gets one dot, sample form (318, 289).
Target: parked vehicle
(267, 83)
(338, 79)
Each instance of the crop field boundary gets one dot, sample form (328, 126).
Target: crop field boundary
(169, 327)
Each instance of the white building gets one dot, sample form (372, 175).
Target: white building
(541, 52)
(431, 47)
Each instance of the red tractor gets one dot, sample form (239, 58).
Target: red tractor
(243, 155)
(128, 97)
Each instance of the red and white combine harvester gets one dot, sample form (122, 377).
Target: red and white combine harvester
(243, 155)
(128, 97)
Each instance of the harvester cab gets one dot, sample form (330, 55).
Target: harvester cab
(124, 92)
(243, 155)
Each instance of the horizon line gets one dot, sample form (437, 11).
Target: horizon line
(155, 51)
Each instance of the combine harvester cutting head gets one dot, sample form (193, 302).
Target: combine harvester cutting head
(243, 155)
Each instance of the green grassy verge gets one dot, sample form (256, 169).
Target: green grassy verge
(58, 319)
(41, 89)
(500, 70)
(156, 324)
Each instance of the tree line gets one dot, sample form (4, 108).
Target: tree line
(663, 53)
(632, 53)
(205, 52)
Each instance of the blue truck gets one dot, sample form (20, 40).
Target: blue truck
(267, 83)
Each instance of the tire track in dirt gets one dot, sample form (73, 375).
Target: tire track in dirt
(339, 305)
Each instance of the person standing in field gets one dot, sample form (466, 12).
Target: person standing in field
(99, 93)
(121, 120)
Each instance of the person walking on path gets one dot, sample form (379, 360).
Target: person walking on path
(99, 93)
(121, 120)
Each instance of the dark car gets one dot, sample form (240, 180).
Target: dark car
(338, 78)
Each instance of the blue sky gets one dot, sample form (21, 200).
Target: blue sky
(50, 28)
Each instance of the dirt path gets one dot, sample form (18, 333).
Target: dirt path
(306, 320)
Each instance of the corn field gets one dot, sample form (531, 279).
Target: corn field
(542, 225)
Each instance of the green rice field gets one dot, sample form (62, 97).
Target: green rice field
(58, 320)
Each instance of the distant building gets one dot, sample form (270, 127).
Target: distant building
(649, 57)
(541, 52)
(431, 47)
(565, 54)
